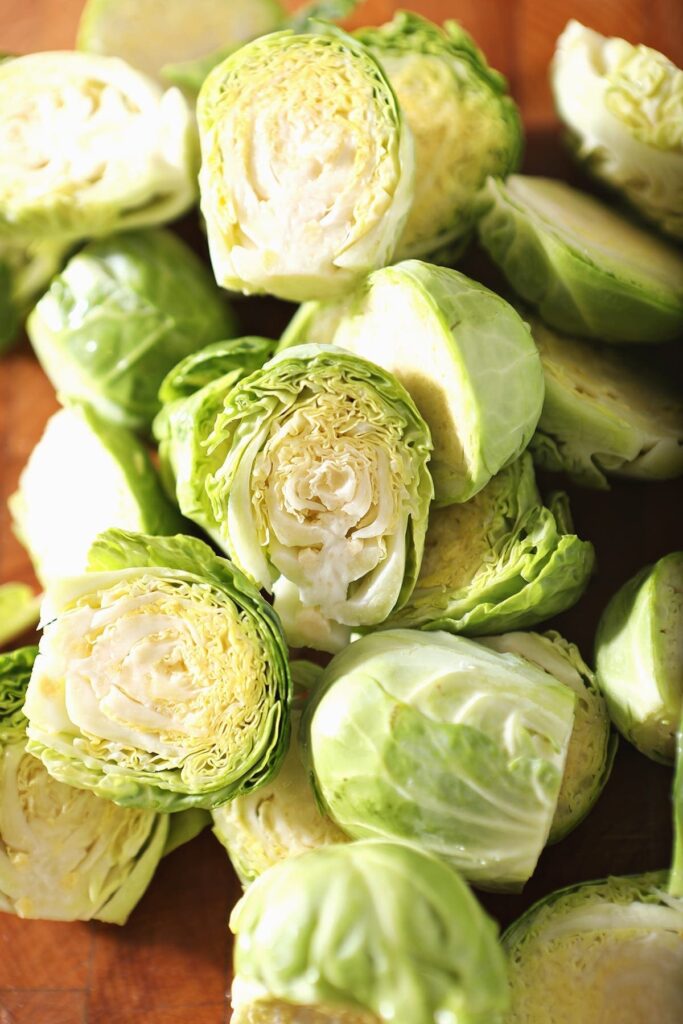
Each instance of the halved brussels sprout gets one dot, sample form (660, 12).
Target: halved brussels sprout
(65, 855)
(162, 678)
(502, 560)
(465, 126)
(604, 415)
(463, 354)
(121, 314)
(639, 657)
(190, 74)
(204, 367)
(89, 146)
(588, 270)
(281, 819)
(307, 166)
(19, 611)
(439, 741)
(593, 745)
(365, 933)
(313, 468)
(151, 33)
(607, 952)
(623, 106)
(84, 476)
(25, 271)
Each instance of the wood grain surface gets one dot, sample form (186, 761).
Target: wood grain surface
(170, 964)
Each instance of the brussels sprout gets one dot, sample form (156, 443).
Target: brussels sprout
(190, 74)
(162, 678)
(500, 561)
(307, 167)
(623, 106)
(465, 126)
(281, 819)
(64, 854)
(592, 746)
(313, 468)
(676, 879)
(464, 355)
(19, 611)
(607, 952)
(366, 933)
(89, 146)
(588, 270)
(151, 33)
(84, 476)
(200, 368)
(25, 271)
(604, 415)
(436, 740)
(639, 657)
(119, 317)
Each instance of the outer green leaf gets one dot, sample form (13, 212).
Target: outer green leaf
(25, 270)
(123, 312)
(320, 199)
(588, 270)
(593, 745)
(464, 124)
(89, 146)
(604, 415)
(64, 854)
(623, 106)
(365, 933)
(639, 657)
(84, 476)
(19, 610)
(313, 468)
(200, 368)
(152, 33)
(500, 561)
(464, 355)
(181, 701)
(436, 740)
(600, 951)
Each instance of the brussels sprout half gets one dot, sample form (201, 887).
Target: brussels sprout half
(365, 933)
(281, 819)
(313, 468)
(307, 167)
(623, 106)
(19, 611)
(437, 740)
(65, 855)
(463, 354)
(162, 678)
(121, 314)
(84, 476)
(607, 952)
(593, 745)
(465, 126)
(88, 146)
(604, 415)
(588, 270)
(500, 561)
(639, 657)
(152, 33)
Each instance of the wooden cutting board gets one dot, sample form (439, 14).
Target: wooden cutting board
(170, 964)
